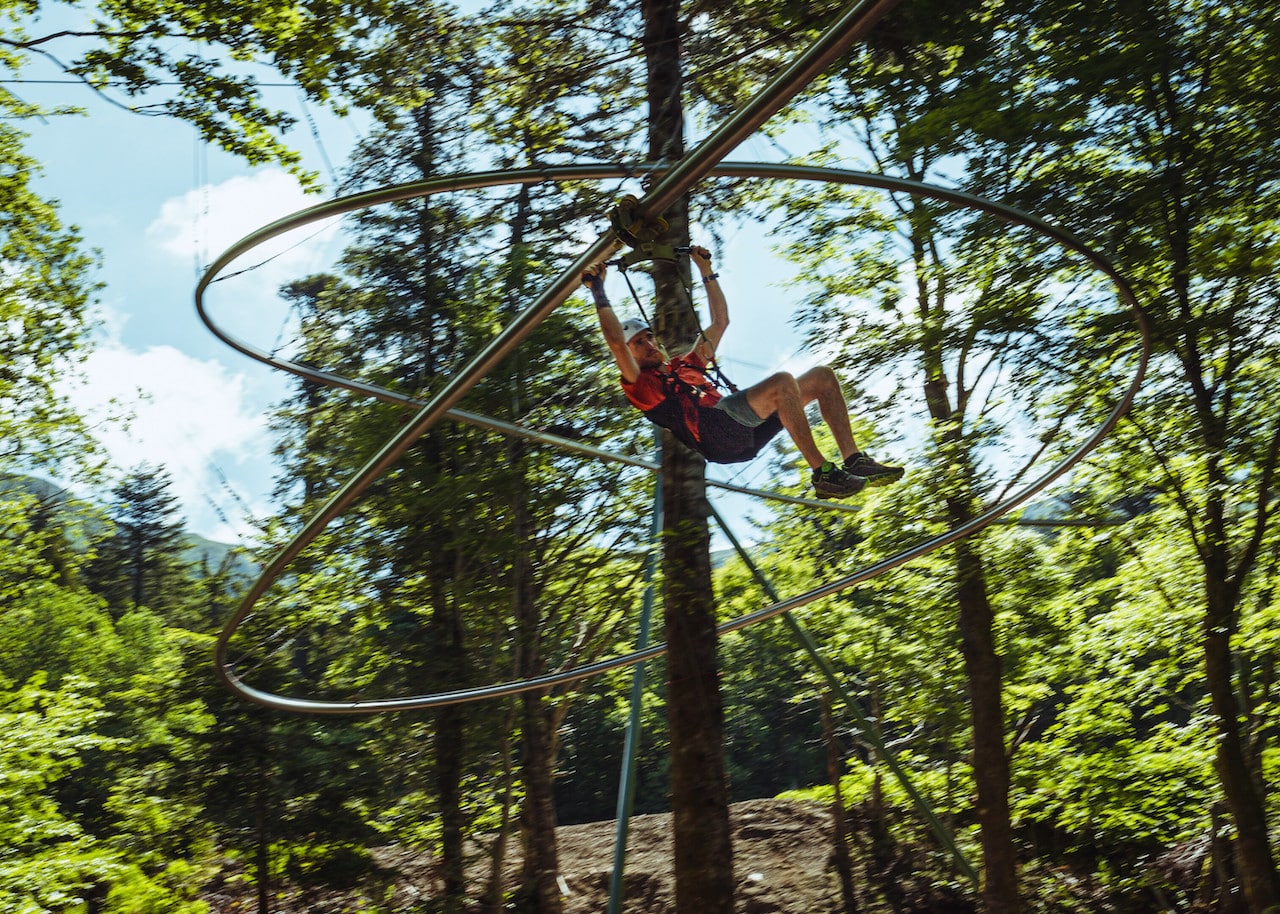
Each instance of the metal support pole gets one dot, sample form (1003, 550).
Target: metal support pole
(630, 748)
(866, 723)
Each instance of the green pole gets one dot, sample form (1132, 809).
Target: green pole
(627, 785)
(867, 724)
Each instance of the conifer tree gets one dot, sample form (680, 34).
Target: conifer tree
(910, 281)
(141, 562)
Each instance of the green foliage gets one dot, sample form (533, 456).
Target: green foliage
(199, 54)
(48, 627)
(1132, 727)
(44, 322)
(127, 776)
(133, 892)
(324, 863)
(47, 860)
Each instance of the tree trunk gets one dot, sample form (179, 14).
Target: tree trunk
(703, 853)
(839, 820)
(887, 864)
(982, 671)
(986, 708)
(448, 784)
(1244, 798)
(450, 736)
(493, 901)
(539, 890)
(95, 898)
(538, 817)
(262, 849)
(541, 863)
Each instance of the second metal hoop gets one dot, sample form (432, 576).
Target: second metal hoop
(599, 172)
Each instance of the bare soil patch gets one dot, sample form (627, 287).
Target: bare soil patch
(781, 855)
(783, 864)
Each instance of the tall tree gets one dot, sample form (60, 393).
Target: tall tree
(542, 551)
(703, 851)
(965, 328)
(1158, 136)
(141, 562)
(411, 310)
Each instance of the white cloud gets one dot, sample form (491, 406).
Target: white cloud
(203, 421)
(217, 215)
(206, 221)
(192, 417)
(245, 302)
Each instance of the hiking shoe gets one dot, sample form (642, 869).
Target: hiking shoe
(831, 481)
(876, 474)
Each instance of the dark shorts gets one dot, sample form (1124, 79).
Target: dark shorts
(737, 406)
(728, 439)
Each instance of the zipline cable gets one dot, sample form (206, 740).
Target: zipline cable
(671, 183)
(834, 41)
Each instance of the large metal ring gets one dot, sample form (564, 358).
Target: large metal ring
(442, 405)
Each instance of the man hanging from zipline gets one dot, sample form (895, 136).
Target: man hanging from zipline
(676, 394)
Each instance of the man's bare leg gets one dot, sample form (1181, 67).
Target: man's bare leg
(780, 393)
(821, 384)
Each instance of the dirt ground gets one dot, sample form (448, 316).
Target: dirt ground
(781, 852)
(782, 865)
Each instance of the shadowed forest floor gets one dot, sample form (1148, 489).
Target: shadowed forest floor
(783, 864)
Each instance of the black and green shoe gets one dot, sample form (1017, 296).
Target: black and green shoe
(832, 481)
(876, 474)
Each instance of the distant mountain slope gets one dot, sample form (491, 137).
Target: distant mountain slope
(199, 548)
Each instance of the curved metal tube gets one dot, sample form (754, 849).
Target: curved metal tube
(442, 404)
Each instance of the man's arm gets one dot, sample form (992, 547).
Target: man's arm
(610, 326)
(712, 333)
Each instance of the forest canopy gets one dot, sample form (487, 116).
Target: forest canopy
(1076, 705)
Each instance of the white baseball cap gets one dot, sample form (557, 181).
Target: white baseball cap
(631, 327)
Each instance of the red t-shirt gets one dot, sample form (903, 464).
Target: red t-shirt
(672, 394)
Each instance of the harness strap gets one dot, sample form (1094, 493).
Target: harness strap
(686, 395)
(635, 295)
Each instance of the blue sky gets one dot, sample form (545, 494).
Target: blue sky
(157, 203)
